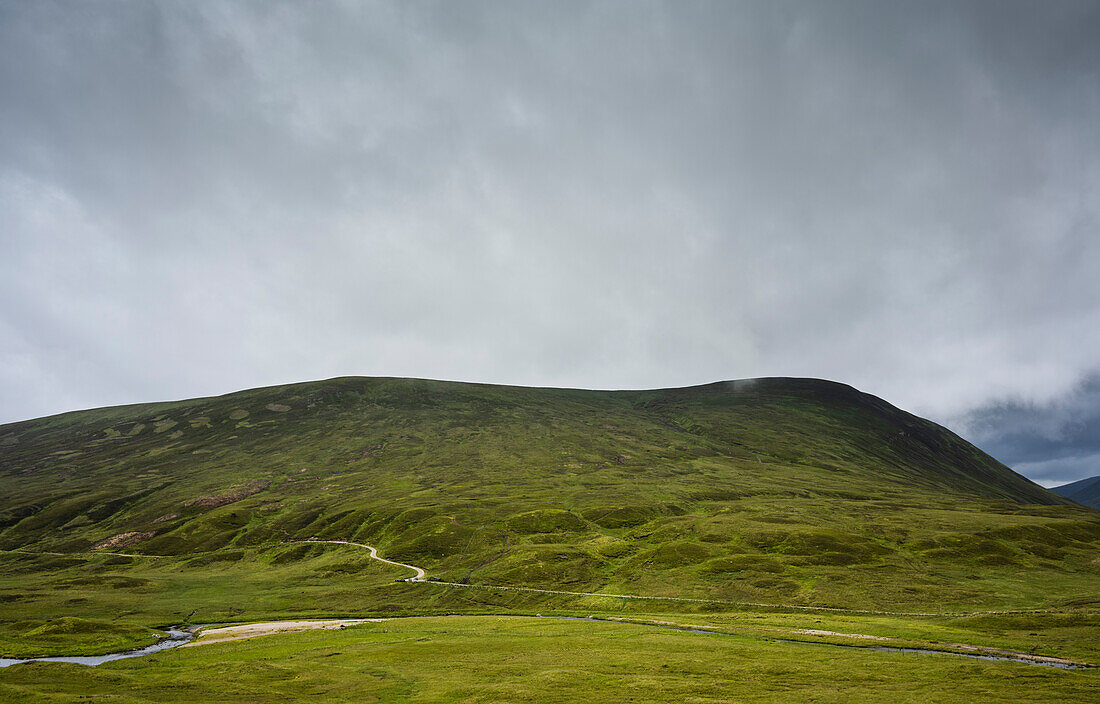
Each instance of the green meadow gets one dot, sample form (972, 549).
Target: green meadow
(515, 659)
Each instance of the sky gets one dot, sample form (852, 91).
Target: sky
(201, 197)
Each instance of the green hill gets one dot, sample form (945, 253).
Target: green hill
(783, 491)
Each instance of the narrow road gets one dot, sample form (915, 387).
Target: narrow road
(421, 576)
(981, 652)
(796, 635)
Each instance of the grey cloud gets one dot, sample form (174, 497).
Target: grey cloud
(198, 197)
(1053, 443)
(1064, 470)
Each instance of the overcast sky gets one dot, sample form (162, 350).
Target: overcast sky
(201, 197)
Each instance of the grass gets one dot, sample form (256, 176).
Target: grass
(73, 635)
(512, 659)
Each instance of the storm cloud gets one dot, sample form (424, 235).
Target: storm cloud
(1053, 443)
(200, 197)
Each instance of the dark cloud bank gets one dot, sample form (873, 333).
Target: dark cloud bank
(198, 197)
(1052, 443)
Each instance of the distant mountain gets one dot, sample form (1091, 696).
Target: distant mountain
(1085, 491)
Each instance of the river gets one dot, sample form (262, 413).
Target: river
(175, 637)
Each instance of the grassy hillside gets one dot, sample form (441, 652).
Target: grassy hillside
(785, 491)
(1085, 492)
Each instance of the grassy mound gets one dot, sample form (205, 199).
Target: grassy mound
(72, 636)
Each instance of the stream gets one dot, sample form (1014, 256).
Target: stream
(178, 636)
(1023, 660)
(175, 637)
(926, 651)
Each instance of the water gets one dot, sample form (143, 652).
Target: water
(687, 629)
(1002, 658)
(175, 638)
(1026, 661)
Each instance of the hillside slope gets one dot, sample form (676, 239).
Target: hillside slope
(782, 490)
(1084, 491)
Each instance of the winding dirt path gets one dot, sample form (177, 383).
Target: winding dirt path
(244, 631)
(421, 576)
(948, 648)
(420, 573)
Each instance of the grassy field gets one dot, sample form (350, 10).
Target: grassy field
(794, 493)
(512, 659)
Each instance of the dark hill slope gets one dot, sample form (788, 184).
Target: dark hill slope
(790, 489)
(831, 425)
(1085, 491)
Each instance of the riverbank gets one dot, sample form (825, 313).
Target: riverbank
(172, 638)
(487, 658)
(208, 636)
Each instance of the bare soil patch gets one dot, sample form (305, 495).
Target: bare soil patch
(253, 630)
(125, 540)
(232, 496)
